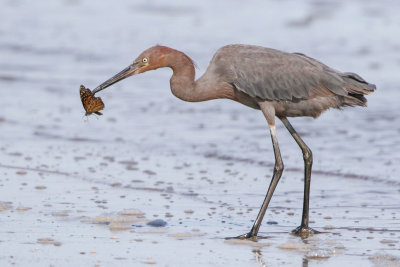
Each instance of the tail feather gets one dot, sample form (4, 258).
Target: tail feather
(354, 100)
(355, 83)
(357, 87)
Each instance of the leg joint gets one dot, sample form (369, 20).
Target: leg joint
(279, 167)
(307, 155)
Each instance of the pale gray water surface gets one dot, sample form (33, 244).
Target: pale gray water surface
(78, 191)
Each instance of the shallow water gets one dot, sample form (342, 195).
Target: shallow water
(80, 191)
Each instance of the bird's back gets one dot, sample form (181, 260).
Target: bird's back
(267, 74)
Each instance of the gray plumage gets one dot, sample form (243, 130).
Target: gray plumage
(272, 75)
(280, 84)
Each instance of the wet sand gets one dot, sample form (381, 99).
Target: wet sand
(77, 191)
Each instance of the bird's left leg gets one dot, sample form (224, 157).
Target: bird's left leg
(303, 229)
(269, 114)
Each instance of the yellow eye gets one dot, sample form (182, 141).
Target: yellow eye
(145, 60)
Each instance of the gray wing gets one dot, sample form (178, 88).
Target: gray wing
(270, 74)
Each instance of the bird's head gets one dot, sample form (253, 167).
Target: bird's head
(150, 59)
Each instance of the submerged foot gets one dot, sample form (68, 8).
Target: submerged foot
(304, 231)
(248, 236)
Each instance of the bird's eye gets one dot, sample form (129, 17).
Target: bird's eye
(145, 60)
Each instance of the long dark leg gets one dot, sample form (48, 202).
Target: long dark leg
(278, 169)
(303, 229)
(269, 113)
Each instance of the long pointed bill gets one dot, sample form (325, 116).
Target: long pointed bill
(125, 73)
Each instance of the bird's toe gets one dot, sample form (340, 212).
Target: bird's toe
(304, 231)
(248, 236)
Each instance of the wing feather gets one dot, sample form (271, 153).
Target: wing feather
(275, 75)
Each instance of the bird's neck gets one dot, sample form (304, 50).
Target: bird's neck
(183, 84)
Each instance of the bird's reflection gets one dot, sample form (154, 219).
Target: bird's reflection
(305, 262)
(261, 262)
(259, 259)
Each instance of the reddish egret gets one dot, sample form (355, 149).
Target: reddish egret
(279, 84)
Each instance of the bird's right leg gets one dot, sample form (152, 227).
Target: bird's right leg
(269, 114)
(303, 229)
